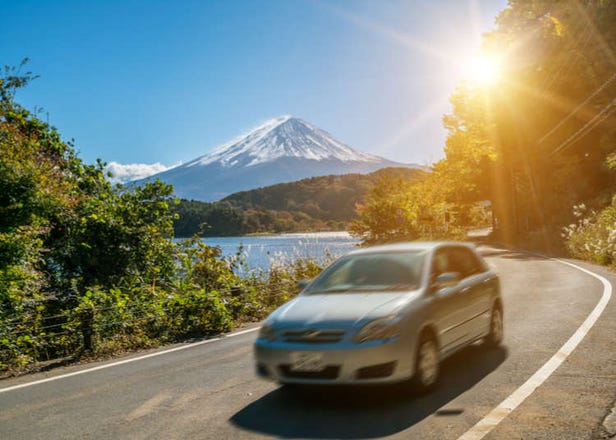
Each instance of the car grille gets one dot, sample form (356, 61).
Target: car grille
(313, 336)
(330, 372)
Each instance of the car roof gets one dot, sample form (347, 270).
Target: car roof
(410, 246)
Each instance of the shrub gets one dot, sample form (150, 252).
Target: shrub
(593, 236)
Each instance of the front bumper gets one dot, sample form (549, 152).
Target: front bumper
(371, 362)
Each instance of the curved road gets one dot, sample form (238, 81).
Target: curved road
(208, 390)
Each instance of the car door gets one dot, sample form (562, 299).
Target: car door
(475, 289)
(478, 281)
(450, 309)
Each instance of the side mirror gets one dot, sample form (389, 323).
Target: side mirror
(302, 284)
(446, 279)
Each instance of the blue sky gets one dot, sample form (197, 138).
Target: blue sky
(147, 81)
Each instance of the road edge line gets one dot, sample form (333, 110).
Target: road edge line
(507, 406)
(127, 361)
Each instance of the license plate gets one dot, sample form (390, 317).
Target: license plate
(307, 361)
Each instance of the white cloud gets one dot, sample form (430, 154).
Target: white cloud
(133, 171)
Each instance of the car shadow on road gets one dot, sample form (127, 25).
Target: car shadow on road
(364, 412)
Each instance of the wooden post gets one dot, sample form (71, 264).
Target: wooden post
(87, 321)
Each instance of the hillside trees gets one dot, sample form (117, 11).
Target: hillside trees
(313, 204)
(553, 89)
(550, 140)
(65, 231)
(86, 232)
(398, 209)
(34, 189)
(387, 212)
(538, 140)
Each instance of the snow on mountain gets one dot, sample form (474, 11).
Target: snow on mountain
(282, 137)
(284, 149)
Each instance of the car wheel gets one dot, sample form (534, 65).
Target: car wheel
(495, 337)
(426, 364)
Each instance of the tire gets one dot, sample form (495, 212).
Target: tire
(495, 336)
(427, 366)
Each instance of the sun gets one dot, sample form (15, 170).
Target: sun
(484, 70)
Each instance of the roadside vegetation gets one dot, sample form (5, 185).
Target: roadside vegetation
(526, 144)
(87, 268)
(593, 236)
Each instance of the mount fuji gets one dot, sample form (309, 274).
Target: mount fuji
(282, 150)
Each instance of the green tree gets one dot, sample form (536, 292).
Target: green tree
(65, 231)
(388, 213)
(533, 143)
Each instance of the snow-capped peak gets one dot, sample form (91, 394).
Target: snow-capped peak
(285, 136)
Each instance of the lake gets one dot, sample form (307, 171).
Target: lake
(263, 251)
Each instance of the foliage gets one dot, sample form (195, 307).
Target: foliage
(318, 203)
(398, 209)
(544, 147)
(81, 260)
(387, 212)
(593, 236)
(533, 144)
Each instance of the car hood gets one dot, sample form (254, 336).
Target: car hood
(340, 309)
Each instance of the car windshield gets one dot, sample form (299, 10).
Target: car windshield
(390, 271)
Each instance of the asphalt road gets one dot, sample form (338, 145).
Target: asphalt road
(209, 391)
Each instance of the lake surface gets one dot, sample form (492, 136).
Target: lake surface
(262, 252)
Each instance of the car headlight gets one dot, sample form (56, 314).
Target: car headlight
(379, 329)
(267, 332)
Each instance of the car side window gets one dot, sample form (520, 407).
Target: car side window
(440, 263)
(466, 262)
(456, 259)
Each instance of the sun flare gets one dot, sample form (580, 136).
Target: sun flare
(484, 70)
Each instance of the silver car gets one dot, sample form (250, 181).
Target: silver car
(383, 314)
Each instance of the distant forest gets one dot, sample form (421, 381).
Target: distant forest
(315, 204)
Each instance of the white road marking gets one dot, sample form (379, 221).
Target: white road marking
(498, 414)
(126, 361)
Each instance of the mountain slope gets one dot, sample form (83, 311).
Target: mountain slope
(282, 137)
(312, 204)
(282, 150)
